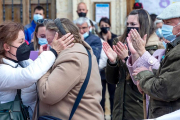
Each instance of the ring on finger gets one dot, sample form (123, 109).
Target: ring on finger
(134, 38)
(120, 49)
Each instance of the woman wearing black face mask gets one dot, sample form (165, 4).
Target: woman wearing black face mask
(128, 103)
(107, 36)
(17, 71)
(105, 33)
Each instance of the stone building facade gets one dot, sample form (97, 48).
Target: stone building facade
(67, 9)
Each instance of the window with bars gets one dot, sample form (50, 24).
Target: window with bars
(22, 10)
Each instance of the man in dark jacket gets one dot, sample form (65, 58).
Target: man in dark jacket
(93, 40)
(163, 85)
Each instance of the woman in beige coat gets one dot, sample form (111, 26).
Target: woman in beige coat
(59, 87)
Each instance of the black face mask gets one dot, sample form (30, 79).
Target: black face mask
(81, 14)
(129, 29)
(105, 30)
(22, 53)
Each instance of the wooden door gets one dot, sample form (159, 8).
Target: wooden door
(130, 4)
(22, 10)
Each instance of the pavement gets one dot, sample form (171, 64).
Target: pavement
(107, 106)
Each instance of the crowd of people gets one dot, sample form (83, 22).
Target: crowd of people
(76, 63)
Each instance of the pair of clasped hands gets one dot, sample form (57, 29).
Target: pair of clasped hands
(136, 46)
(59, 44)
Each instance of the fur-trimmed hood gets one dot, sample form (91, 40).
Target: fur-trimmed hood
(154, 40)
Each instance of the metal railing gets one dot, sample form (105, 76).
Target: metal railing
(12, 10)
(29, 10)
(21, 10)
(4, 10)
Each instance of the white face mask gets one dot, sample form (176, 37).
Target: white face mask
(167, 32)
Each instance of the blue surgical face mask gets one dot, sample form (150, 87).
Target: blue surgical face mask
(90, 29)
(167, 32)
(42, 41)
(85, 35)
(37, 17)
(164, 44)
(159, 33)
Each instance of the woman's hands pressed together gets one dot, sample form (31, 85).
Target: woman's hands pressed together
(121, 50)
(137, 42)
(130, 45)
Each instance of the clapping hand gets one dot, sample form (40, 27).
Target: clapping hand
(121, 50)
(138, 43)
(112, 56)
(130, 45)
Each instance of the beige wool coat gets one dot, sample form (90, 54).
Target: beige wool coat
(59, 87)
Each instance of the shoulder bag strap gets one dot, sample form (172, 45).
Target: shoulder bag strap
(18, 95)
(83, 88)
(81, 92)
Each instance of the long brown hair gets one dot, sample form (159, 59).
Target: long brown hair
(8, 33)
(36, 45)
(145, 22)
(68, 26)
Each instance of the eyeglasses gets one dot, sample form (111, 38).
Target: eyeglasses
(44, 21)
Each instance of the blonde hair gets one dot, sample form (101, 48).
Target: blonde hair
(36, 45)
(68, 26)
